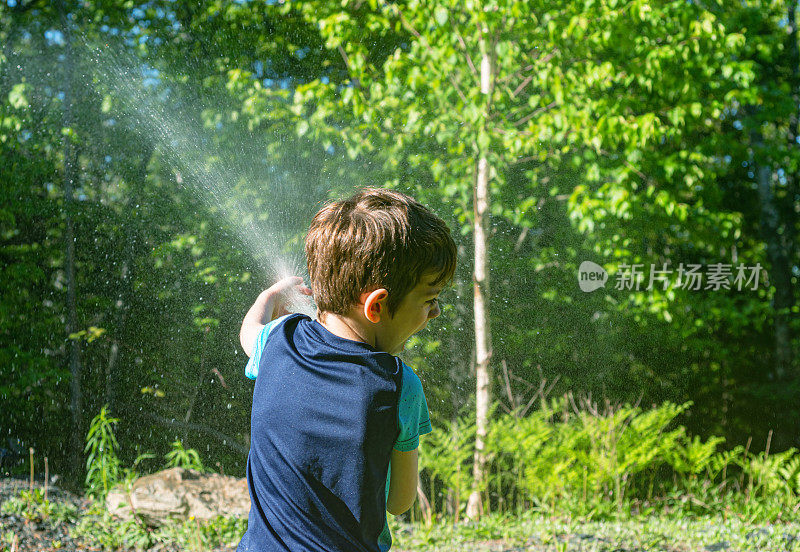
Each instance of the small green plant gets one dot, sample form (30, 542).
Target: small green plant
(180, 457)
(110, 533)
(102, 465)
(31, 506)
(100, 527)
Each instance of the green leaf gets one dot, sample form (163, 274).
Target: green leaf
(441, 15)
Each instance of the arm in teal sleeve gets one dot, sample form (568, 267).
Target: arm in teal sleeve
(251, 369)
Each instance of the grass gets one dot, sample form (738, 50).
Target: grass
(673, 531)
(539, 533)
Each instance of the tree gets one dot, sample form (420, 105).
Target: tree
(562, 90)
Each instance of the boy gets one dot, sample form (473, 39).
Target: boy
(333, 406)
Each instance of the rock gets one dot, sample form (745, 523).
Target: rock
(180, 494)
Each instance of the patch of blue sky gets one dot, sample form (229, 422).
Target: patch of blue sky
(782, 176)
(54, 36)
(110, 30)
(152, 77)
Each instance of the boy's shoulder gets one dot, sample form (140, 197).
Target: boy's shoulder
(410, 380)
(308, 336)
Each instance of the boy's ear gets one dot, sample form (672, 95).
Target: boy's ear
(375, 304)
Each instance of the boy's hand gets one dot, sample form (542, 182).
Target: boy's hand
(283, 292)
(271, 304)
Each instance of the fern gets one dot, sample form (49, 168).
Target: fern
(102, 465)
(180, 457)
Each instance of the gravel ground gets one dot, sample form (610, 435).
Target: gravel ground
(18, 534)
(23, 535)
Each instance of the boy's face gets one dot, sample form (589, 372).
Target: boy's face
(412, 315)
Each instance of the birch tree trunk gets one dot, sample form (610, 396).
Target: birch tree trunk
(483, 341)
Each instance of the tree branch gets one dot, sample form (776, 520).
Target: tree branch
(536, 112)
(346, 59)
(519, 88)
(427, 46)
(639, 173)
(466, 53)
(226, 440)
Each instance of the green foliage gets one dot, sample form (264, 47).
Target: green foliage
(595, 464)
(445, 456)
(32, 506)
(102, 465)
(180, 457)
(97, 526)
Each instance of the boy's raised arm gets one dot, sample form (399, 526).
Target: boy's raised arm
(270, 304)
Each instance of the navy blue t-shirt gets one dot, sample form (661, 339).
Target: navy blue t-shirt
(327, 412)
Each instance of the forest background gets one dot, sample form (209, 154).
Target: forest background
(160, 162)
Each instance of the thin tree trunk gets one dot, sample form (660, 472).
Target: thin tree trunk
(127, 275)
(200, 379)
(76, 402)
(793, 179)
(780, 273)
(483, 341)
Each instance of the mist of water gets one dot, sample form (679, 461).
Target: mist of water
(180, 141)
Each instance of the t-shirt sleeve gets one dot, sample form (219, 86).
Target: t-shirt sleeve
(251, 370)
(415, 420)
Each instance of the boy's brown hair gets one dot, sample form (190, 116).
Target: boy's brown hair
(376, 239)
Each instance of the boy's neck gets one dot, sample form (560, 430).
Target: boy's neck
(348, 327)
